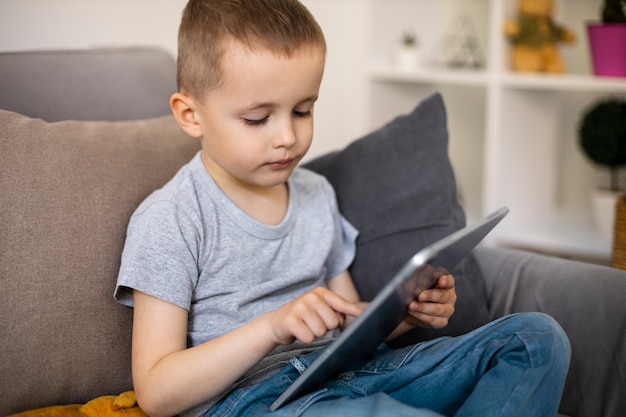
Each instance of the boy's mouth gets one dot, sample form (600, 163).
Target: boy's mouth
(281, 164)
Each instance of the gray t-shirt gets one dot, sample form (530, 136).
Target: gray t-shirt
(190, 245)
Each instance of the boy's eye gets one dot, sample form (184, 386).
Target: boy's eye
(260, 122)
(303, 114)
(255, 122)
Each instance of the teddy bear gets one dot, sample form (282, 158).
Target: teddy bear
(534, 36)
(124, 405)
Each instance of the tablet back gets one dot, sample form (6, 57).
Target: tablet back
(389, 307)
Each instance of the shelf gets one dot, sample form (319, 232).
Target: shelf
(542, 82)
(566, 82)
(512, 135)
(436, 76)
(555, 233)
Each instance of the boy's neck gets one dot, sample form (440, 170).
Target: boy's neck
(267, 205)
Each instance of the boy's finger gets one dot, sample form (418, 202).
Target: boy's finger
(341, 305)
(446, 282)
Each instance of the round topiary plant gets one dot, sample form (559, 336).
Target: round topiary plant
(602, 136)
(613, 11)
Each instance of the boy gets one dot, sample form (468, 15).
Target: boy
(237, 268)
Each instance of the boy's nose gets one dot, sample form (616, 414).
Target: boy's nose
(285, 137)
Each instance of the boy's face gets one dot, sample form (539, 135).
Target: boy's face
(258, 124)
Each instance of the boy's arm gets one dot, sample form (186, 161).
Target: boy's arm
(169, 378)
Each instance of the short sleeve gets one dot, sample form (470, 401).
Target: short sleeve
(160, 256)
(343, 250)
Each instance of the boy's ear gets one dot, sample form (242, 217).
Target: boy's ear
(182, 107)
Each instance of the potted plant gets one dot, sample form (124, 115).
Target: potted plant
(607, 40)
(602, 138)
(407, 55)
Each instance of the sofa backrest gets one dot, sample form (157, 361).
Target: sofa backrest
(67, 190)
(91, 84)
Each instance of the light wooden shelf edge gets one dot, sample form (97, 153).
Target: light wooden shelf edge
(506, 80)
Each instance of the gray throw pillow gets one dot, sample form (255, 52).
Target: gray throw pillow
(397, 187)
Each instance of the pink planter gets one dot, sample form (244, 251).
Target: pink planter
(608, 49)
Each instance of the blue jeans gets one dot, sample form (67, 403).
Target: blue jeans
(514, 366)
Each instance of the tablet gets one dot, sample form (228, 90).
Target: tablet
(389, 308)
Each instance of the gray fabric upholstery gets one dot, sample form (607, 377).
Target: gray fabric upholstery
(98, 84)
(67, 191)
(397, 187)
(589, 303)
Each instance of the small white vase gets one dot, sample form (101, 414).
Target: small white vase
(407, 58)
(603, 204)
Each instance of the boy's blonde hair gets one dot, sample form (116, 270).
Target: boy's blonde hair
(280, 26)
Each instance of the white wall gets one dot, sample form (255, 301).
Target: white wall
(38, 24)
(58, 24)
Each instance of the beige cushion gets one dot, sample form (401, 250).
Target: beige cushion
(67, 190)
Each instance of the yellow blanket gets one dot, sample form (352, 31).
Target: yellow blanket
(108, 406)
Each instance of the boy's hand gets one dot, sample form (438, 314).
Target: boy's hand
(311, 316)
(433, 308)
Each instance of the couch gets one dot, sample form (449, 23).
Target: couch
(86, 135)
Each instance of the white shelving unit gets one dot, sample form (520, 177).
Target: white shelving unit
(513, 137)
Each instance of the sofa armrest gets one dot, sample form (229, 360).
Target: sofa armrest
(589, 302)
